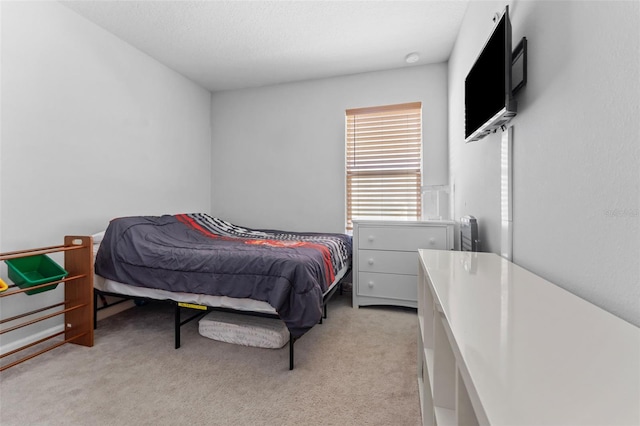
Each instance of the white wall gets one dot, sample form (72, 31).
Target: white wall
(279, 151)
(575, 147)
(91, 129)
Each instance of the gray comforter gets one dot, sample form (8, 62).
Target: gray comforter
(197, 253)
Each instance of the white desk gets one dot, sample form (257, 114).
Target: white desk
(499, 345)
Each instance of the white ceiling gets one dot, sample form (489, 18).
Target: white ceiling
(225, 45)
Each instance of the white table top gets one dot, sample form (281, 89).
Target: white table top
(536, 354)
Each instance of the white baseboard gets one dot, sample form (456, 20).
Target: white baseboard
(107, 312)
(30, 339)
(112, 310)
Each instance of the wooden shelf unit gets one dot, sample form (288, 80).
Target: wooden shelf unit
(77, 306)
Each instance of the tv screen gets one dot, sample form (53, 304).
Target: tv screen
(489, 103)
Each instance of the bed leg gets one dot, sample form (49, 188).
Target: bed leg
(177, 326)
(291, 340)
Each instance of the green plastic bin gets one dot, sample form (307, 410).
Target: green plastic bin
(30, 271)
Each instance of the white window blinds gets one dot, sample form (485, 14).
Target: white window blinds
(384, 162)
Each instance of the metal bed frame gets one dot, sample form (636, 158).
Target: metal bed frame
(178, 322)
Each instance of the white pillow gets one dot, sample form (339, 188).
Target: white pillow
(97, 238)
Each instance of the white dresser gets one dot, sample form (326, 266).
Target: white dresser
(385, 255)
(499, 345)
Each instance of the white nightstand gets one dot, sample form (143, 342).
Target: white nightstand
(385, 255)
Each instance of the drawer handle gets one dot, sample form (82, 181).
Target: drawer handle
(371, 284)
(432, 241)
(371, 238)
(371, 261)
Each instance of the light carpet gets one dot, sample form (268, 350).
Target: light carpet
(356, 368)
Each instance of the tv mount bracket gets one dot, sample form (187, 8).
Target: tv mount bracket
(519, 66)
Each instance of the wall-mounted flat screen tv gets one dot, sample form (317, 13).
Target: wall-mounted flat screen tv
(488, 99)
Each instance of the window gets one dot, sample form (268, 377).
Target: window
(384, 162)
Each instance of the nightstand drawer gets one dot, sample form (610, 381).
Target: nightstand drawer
(388, 285)
(391, 262)
(406, 238)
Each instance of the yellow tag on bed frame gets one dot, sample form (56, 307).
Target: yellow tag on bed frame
(192, 306)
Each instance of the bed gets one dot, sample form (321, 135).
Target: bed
(199, 262)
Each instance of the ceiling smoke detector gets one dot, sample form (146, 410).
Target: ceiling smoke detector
(412, 58)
